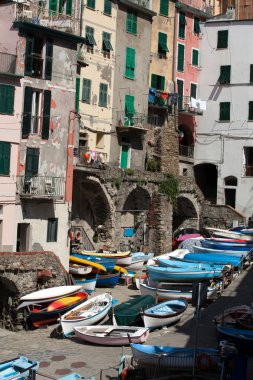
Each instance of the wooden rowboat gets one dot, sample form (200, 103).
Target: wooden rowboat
(111, 335)
(115, 255)
(17, 368)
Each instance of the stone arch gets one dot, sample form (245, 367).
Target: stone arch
(206, 178)
(185, 213)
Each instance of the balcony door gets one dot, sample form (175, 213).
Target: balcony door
(23, 237)
(32, 162)
(125, 156)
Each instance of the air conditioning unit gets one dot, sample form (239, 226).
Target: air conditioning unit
(27, 15)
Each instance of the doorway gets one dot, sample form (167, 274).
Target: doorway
(23, 237)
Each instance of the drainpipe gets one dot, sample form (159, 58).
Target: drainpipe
(81, 17)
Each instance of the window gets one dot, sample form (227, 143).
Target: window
(158, 82)
(130, 63)
(34, 63)
(100, 140)
(107, 7)
(36, 112)
(106, 44)
(103, 95)
(182, 23)
(162, 44)
(250, 111)
(193, 91)
(248, 161)
(91, 4)
(180, 57)
(65, 7)
(225, 74)
(86, 90)
(251, 74)
(131, 23)
(32, 162)
(164, 7)
(77, 94)
(7, 93)
(53, 6)
(52, 227)
(230, 181)
(222, 42)
(195, 57)
(225, 111)
(129, 110)
(180, 94)
(5, 157)
(196, 27)
(89, 36)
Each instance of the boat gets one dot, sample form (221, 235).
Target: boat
(128, 313)
(17, 368)
(221, 233)
(165, 313)
(108, 254)
(80, 269)
(210, 258)
(88, 283)
(48, 294)
(182, 274)
(163, 291)
(186, 264)
(175, 357)
(124, 260)
(138, 279)
(87, 313)
(108, 280)
(243, 339)
(245, 254)
(112, 336)
(232, 314)
(40, 315)
(143, 256)
(229, 244)
(136, 265)
(95, 262)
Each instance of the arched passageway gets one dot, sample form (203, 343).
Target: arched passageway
(185, 214)
(206, 179)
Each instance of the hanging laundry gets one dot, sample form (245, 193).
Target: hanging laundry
(151, 95)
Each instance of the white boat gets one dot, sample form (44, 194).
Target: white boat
(165, 313)
(86, 314)
(124, 260)
(143, 256)
(48, 294)
(220, 233)
(79, 269)
(136, 265)
(88, 284)
(154, 261)
(111, 335)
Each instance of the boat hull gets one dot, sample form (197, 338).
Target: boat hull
(88, 284)
(108, 280)
(136, 265)
(180, 275)
(17, 368)
(243, 339)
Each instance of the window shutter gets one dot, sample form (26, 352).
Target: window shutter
(154, 80)
(225, 74)
(193, 91)
(131, 23)
(134, 23)
(129, 105)
(5, 154)
(69, 7)
(164, 7)
(195, 57)
(130, 63)
(7, 93)
(77, 94)
(225, 111)
(29, 55)
(46, 114)
(49, 59)
(180, 58)
(251, 110)
(32, 162)
(251, 74)
(27, 112)
(222, 42)
(196, 27)
(53, 6)
(162, 43)
(107, 7)
(180, 92)
(91, 4)
(86, 90)
(61, 6)
(182, 22)
(52, 227)
(162, 86)
(103, 95)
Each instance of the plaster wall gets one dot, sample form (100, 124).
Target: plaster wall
(221, 143)
(8, 43)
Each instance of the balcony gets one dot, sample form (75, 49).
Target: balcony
(197, 4)
(92, 159)
(7, 63)
(41, 187)
(185, 106)
(186, 151)
(142, 3)
(42, 15)
(138, 122)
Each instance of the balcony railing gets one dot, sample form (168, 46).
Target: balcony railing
(92, 158)
(7, 63)
(186, 151)
(138, 121)
(184, 105)
(41, 187)
(142, 3)
(39, 13)
(199, 4)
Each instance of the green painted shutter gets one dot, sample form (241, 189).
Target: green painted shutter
(131, 23)
(27, 112)
(222, 42)
(162, 85)
(53, 6)
(182, 23)
(196, 27)
(180, 58)
(77, 94)
(251, 110)
(106, 44)
(162, 43)
(7, 93)
(5, 156)
(46, 114)
(180, 93)
(164, 7)
(32, 162)
(69, 7)
(52, 228)
(225, 111)
(107, 7)
(154, 80)
(86, 90)
(251, 74)
(129, 110)
(49, 60)
(29, 55)
(195, 57)
(103, 95)
(61, 2)
(130, 63)
(193, 91)
(225, 72)
(91, 4)
(124, 156)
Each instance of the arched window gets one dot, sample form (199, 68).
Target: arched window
(230, 181)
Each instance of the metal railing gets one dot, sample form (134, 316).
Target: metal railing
(85, 244)
(136, 121)
(41, 186)
(186, 151)
(7, 63)
(184, 105)
(92, 158)
(142, 3)
(248, 170)
(199, 4)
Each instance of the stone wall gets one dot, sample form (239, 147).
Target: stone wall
(23, 273)
(168, 147)
(220, 216)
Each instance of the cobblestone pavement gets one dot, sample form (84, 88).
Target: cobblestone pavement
(60, 356)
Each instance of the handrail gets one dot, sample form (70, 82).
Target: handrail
(86, 242)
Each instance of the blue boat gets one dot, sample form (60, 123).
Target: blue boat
(88, 283)
(109, 264)
(245, 254)
(243, 339)
(142, 256)
(108, 280)
(227, 245)
(186, 264)
(17, 368)
(209, 258)
(181, 274)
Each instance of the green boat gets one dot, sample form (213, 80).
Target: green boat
(128, 313)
